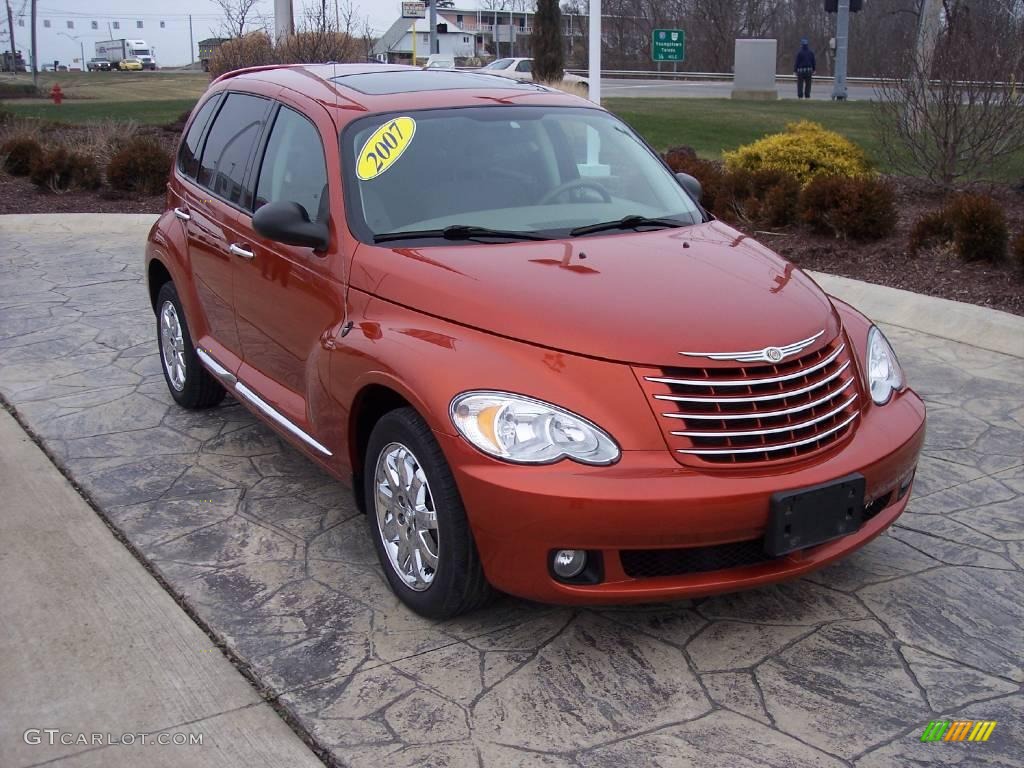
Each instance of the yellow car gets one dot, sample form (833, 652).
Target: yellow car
(133, 65)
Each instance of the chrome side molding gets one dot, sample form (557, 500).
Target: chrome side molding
(259, 403)
(216, 368)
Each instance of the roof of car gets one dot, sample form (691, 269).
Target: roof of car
(383, 87)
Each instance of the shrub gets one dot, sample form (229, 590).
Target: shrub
(19, 154)
(763, 198)
(60, 169)
(974, 224)
(981, 232)
(252, 50)
(931, 229)
(859, 208)
(141, 165)
(707, 172)
(804, 150)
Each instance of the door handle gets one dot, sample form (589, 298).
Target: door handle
(240, 251)
(182, 214)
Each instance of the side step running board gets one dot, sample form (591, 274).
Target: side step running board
(230, 380)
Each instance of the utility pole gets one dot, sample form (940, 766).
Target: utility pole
(191, 44)
(14, 50)
(284, 23)
(842, 44)
(35, 59)
(594, 52)
(433, 27)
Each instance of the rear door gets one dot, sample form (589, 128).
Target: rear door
(211, 200)
(289, 299)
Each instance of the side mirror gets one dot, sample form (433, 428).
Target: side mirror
(289, 223)
(691, 185)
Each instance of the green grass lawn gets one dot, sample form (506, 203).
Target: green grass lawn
(82, 111)
(708, 125)
(713, 125)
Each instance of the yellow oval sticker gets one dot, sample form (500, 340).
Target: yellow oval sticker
(384, 147)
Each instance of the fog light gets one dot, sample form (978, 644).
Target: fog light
(569, 563)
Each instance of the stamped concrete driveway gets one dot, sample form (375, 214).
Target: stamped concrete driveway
(843, 668)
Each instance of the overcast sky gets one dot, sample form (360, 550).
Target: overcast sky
(170, 42)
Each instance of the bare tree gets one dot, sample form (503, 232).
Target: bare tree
(953, 116)
(238, 14)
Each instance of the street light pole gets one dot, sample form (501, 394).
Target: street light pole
(842, 44)
(594, 58)
(433, 26)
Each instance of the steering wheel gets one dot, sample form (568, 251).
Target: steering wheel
(579, 184)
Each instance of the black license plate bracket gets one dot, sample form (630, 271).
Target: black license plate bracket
(810, 516)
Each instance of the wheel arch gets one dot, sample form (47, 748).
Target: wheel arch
(369, 406)
(156, 275)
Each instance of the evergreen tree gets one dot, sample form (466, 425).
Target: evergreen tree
(547, 41)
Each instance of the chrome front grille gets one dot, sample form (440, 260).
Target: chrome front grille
(756, 413)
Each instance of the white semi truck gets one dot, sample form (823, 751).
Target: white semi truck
(122, 48)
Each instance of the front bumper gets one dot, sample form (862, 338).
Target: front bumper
(647, 501)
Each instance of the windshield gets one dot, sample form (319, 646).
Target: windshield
(499, 64)
(537, 170)
(140, 52)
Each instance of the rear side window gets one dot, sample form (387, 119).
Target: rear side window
(229, 146)
(188, 155)
(293, 167)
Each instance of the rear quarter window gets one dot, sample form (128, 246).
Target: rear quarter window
(188, 155)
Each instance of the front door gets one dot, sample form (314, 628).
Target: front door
(287, 298)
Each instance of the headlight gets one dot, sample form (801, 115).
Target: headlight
(523, 430)
(884, 373)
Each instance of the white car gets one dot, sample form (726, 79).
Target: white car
(522, 69)
(440, 61)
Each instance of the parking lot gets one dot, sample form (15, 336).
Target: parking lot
(845, 667)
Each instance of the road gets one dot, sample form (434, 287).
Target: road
(715, 89)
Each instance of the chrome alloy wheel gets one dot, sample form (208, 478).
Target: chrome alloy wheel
(172, 345)
(406, 518)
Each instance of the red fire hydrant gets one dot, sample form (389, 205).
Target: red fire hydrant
(56, 93)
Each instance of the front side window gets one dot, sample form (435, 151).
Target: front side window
(229, 145)
(293, 167)
(524, 66)
(538, 170)
(188, 155)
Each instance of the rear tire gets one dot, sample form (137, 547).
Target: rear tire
(189, 383)
(417, 521)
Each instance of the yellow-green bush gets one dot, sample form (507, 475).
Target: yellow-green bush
(804, 150)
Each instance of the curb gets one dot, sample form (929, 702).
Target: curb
(980, 327)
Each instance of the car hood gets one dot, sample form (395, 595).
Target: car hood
(637, 298)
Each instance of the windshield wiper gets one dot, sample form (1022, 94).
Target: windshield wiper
(458, 232)
(627, 222)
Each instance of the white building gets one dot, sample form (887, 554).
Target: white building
(396, 45)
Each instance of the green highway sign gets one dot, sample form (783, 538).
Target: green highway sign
(668, 45)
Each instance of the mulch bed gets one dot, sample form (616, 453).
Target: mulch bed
(933, 272)
(936, 272)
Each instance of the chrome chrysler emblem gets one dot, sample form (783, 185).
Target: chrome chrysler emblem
(766, 355)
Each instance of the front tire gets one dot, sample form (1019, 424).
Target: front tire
(417, 521)
(190, 384)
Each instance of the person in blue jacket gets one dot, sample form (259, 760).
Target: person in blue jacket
(804, 68)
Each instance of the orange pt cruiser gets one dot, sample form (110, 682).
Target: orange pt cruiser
(544, 368)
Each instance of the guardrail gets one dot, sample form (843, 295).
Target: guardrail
(641, 74)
